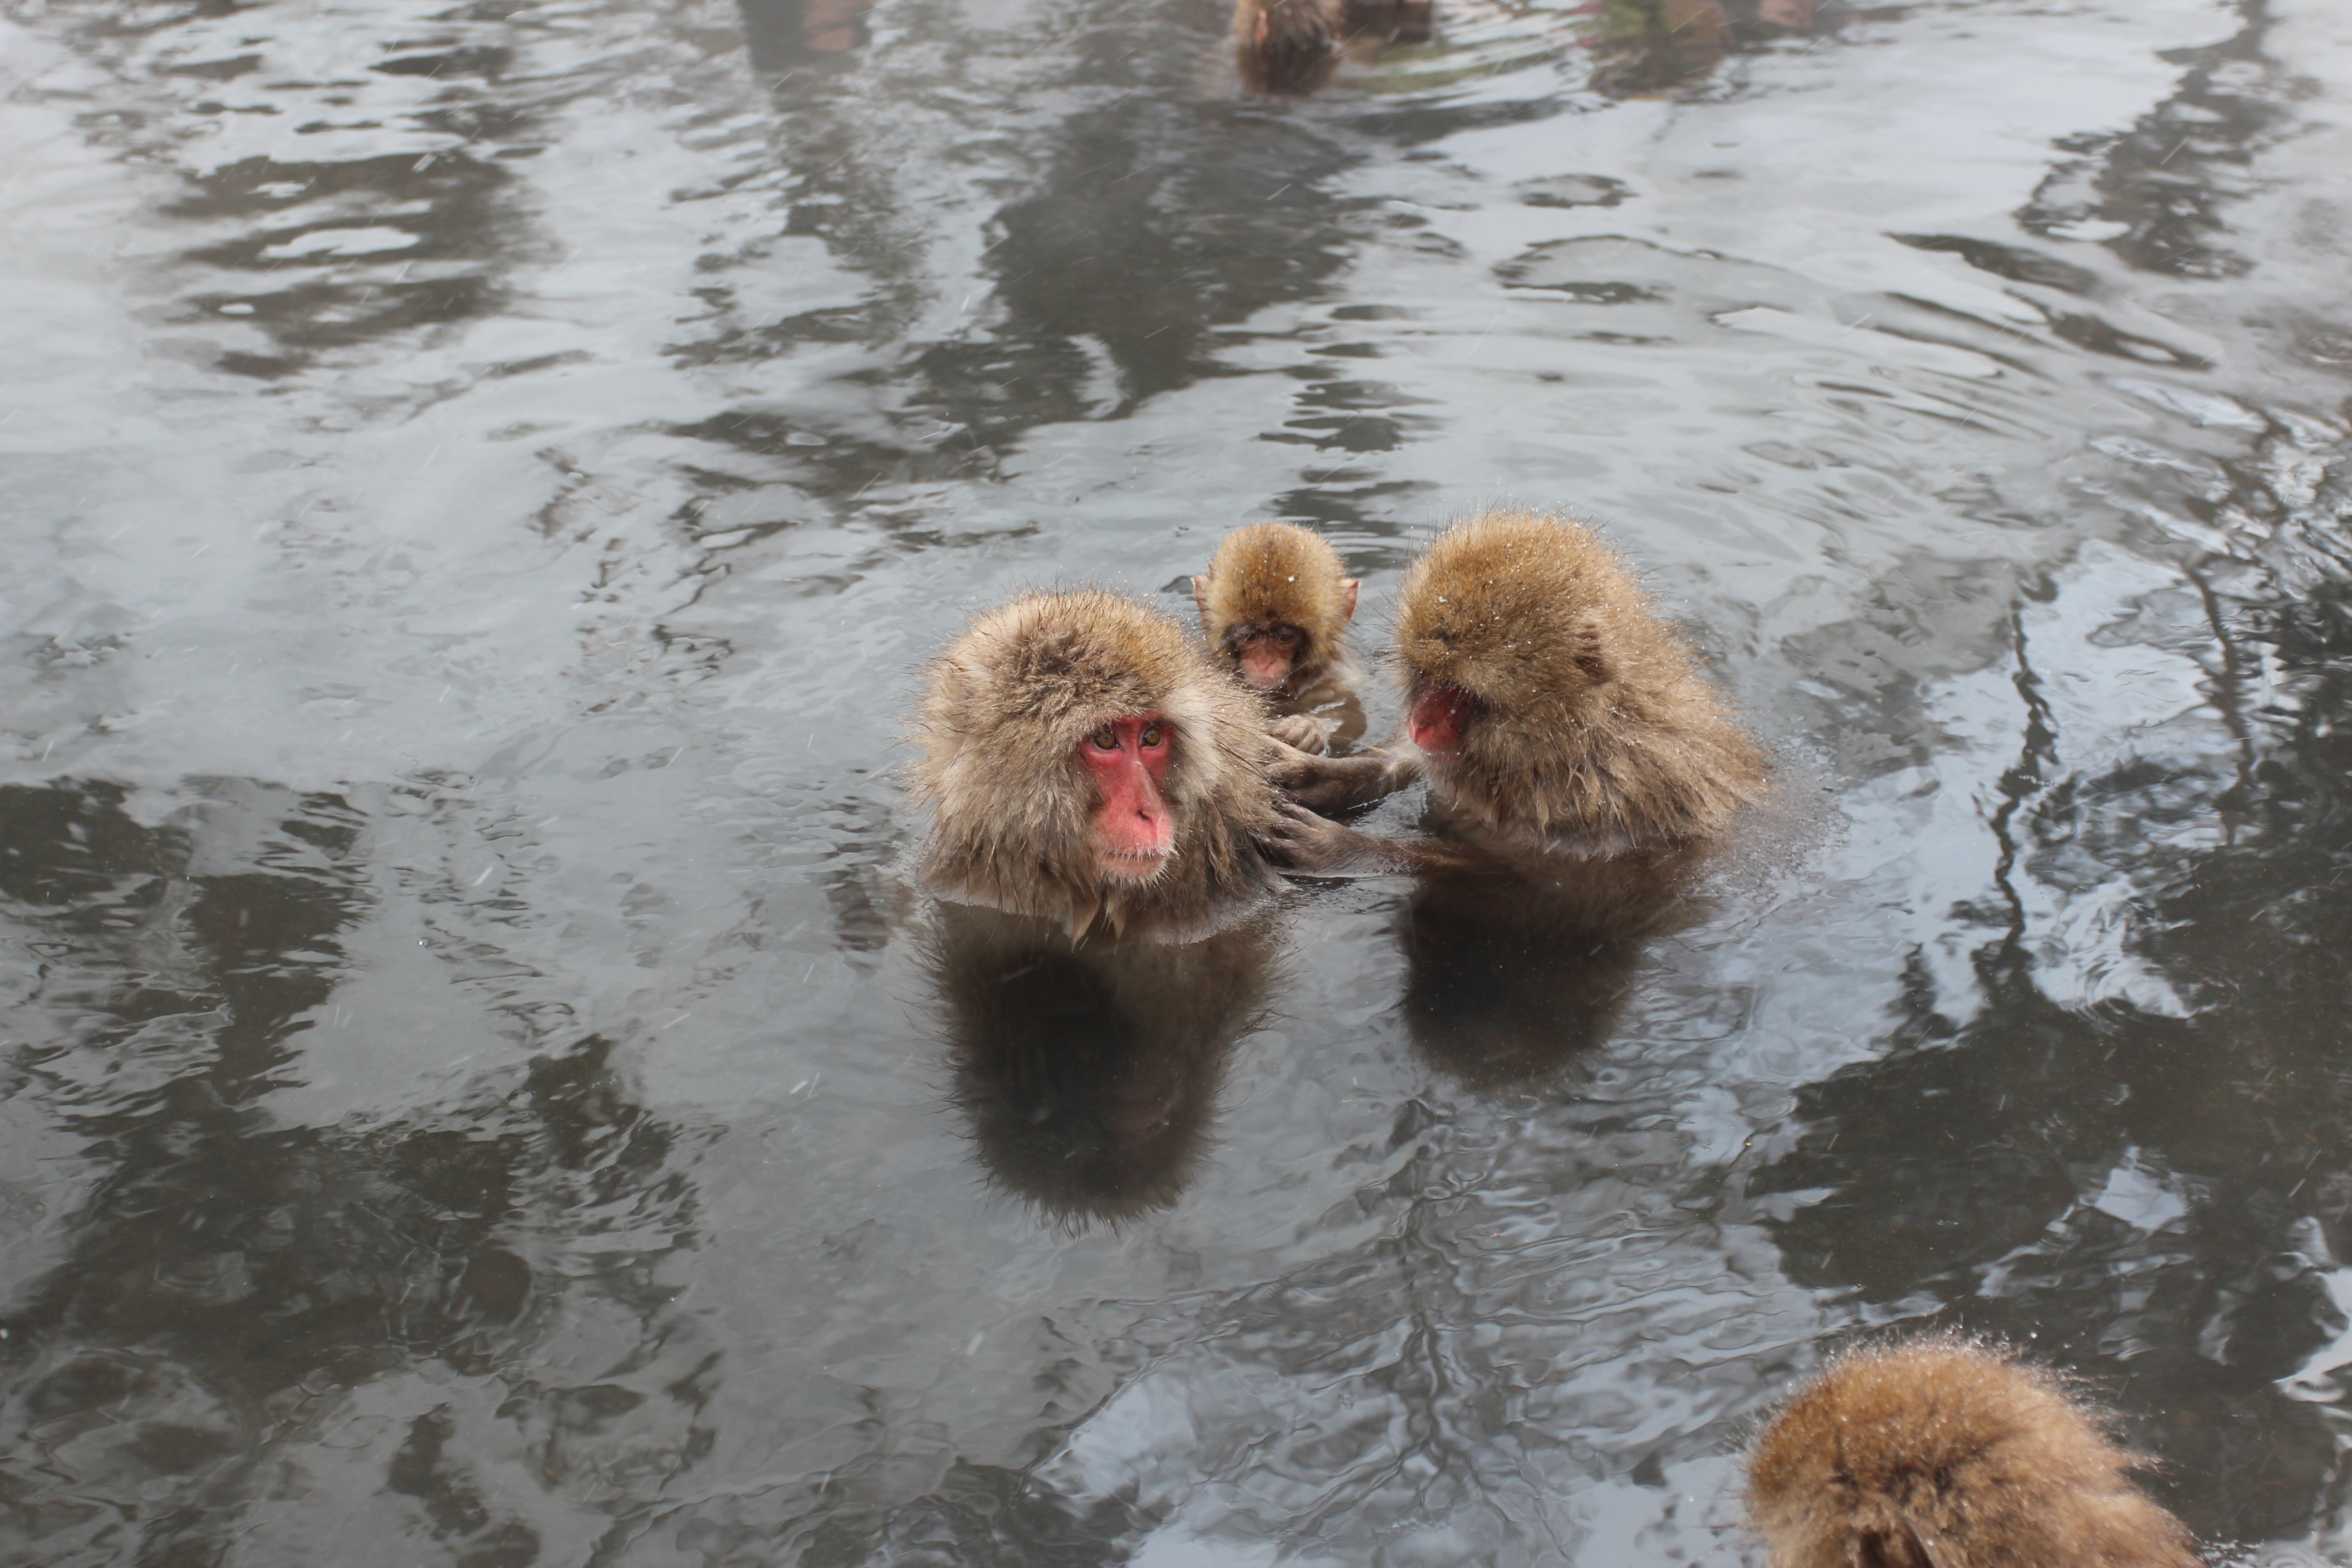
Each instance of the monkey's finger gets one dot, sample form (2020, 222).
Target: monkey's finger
(1289, 767)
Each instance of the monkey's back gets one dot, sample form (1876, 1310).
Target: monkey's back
(1943, 1454)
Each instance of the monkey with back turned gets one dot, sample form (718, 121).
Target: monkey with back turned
(1943, 1453)
(1290, 48)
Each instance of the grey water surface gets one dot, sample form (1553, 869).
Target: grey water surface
(482, 482)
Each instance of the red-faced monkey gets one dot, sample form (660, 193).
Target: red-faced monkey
(1551, 710)
(1275, 605)
(1085, 761)
(1945, 1453)
(1290, 48)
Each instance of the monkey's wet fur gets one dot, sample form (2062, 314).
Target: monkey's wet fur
(1946, 1453)
(1588, 720)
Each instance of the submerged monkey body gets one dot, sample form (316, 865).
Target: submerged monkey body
(1018, 822)
(1945, 1453)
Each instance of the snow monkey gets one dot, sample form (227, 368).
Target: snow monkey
(1290, 48)
(1580, 773)
(1086, 762)
(1551, 710)
(1275, 605)
(1942, 1453)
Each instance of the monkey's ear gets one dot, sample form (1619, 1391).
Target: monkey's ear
(1589, 659)
(1348, 586)
(1201, 594)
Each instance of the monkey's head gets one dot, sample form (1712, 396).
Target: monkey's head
(1274, 603)
(1548, 696)
(1082, 754)
(1946, 1450)
(1517, 621)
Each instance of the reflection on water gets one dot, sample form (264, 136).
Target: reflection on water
(1660, 46)
(1511, 976)
(481, 483)
(2157, 1186)
(229, 1282)
(1088, 1074)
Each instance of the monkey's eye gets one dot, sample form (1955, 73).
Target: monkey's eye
(1106, 739)
(1152, 735)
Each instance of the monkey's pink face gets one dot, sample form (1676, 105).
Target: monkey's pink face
(1439, 714)
(1267, 656)
(1135, 831)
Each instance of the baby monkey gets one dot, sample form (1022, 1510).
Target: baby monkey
(1551, 710)
(1945, 1453)
(1274, 606)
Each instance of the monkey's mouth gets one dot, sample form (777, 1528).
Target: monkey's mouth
(1265, 677)
(1439, 715)
(1133, 865)
(1266, 661)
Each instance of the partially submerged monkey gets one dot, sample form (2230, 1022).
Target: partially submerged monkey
(1945, 1454)
(1290, 48)
(1086, 763)
(1552, 711)
(1274, 606)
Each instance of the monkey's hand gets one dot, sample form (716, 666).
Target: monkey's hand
(1312, 846)
(1301, 732)
(1329, 784)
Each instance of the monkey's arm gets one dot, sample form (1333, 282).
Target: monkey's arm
(1315, 846)
(1327, 784)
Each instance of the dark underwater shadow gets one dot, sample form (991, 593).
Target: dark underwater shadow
(1087, 1075)
(1512, 977)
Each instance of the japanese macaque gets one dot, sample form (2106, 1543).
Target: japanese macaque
(1580, 773)
(1551, 710)
(1087, 764)
(1275, 603)
(1945, 1454)
(1088, 1075)
(1290, 48)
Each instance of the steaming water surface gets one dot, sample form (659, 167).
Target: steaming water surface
(481, 485)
